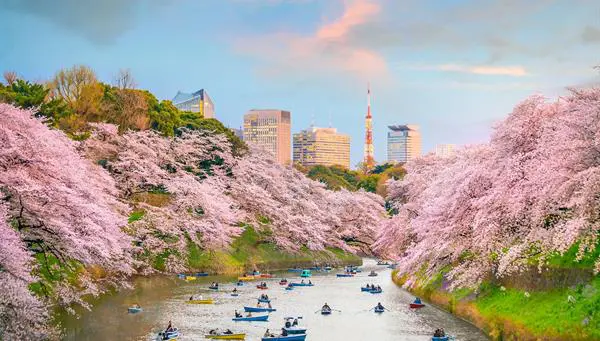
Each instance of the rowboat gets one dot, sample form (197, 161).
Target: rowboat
(376, 291)
(239, 283)
(327, 268)
(365, 289)
(290, 287)
(190, 278)
(252, 318)
(292, 329)
(226, 336)
(261, 287)
(264, 300)
(440, 338)
(379, 310)
(295, 330)
(168, 335)
(201, 274)
(294, 270)
(305, 273)
(235, 294)
(213, 288)
(134, 310)
(283, 282)
(344, 275)
(201, 301)
(181, 276)
(266, 276)
(416, 305)
(259, 309)
(325, 311)
(373, 274)
(246, 278)
(302, 284)
(297, 337)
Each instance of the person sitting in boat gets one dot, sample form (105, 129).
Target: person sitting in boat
(234, 290)
(258, 304)
(288, 323)
(326, 307)
(417, 300)
(302, 281)
(237, 314)
(228, 332)
(378, 288)
(249, 314)
(267, 334)
(439, 332)
(213, 331)
(284, 332)
(169, 328)
(216, 285)
(379, 306)
(295, 322)
(309, 282)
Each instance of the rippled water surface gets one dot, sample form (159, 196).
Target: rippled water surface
(163, 299)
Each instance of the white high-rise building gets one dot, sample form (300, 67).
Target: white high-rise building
(403, 143)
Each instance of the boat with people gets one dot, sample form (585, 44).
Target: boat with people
(252, 318)
(416, 303)
(283, 281)
(302, 284)
(134, 309)
(170, 333)
(262, 286)
(295, 269)
(199, 300)
(376, 291)
(347, 274)
(240, 283)
(289, 287)
(282, 337)
(305, 274)
(259, 309)
(214, 286)
(440, 335)
(227, 334)
(373, 274)
(379, 308)
(327, 268)
(264, 299)
(291, 325)
(380, 262)
(266, 276)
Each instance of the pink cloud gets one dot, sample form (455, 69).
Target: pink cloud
(326, 50)
(490, 70)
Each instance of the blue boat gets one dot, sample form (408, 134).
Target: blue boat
(264, 300)
(377, 291)
(344, 275)
(235, 294)
(181, 276)
(134, 310)
(440, 338)
(292, 329)
(201, 274)
(296, 337)
(365, 289)
(291, 287)
(252, 318)
(240, 283)
(259, 309)
(213, 288)
(325, 311)
(379, 310)
(302, 284)
(328, 268)
(294, 270)
(305, 273)
(169, 335)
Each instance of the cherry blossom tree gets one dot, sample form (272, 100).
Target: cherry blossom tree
(531, 191)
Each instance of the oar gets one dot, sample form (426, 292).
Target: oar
(337, 310)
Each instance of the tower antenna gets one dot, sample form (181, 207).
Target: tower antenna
(369, 158)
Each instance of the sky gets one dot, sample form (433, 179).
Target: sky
(453, 67)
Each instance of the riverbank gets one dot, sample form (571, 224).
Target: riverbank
(250, 251)
(506, 311)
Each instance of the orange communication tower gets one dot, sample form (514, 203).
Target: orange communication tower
(369, 159)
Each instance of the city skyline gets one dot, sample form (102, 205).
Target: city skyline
(315, 57)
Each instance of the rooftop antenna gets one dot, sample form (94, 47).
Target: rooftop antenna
(312, 120)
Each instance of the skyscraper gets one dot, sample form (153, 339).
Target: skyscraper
(198, 101)
(322, 146)
(369, 156)
(444, 150)
(269, 129)
(403, 143)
